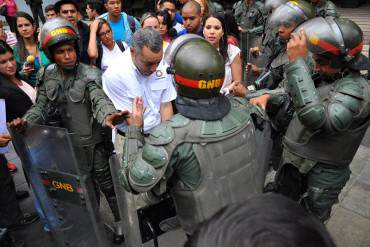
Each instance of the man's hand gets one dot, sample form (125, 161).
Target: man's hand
(28, 69)
(94, 25)
(238, 89)
(116, 118)
(4, 139)
(260, 101)
(255, 51)
(136, 117)
(297, 46)
(18, 124)
(253, 69)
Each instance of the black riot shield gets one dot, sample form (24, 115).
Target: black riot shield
(145, 217)
(52, 158)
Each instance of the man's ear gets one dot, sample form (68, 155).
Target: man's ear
(132, 50)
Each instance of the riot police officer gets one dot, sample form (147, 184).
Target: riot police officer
(325, 8)
(284, 19)
(211, 154)
(248, 14)
(331, 114)
(70, 95)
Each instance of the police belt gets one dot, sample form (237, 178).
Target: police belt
(124, 134)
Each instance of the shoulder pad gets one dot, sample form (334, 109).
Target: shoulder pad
(161, 135)
(155, 155)
(236, 119)
(178, 121)
(350, 87)
(89, 73)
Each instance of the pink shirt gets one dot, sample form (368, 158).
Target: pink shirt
(11, 7)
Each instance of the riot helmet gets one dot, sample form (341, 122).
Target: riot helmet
(291, 13)
(57, 31)
(199, 72)
(270, 5)
(339, 41)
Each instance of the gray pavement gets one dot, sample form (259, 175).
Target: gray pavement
(349, 224)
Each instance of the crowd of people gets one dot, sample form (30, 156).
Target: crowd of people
(172, 85)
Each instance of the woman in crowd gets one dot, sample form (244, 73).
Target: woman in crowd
(11, 10)
(149, 19)
(165, 28)
(19, 97)
(27, 53)
(214, 32)
(102, 47)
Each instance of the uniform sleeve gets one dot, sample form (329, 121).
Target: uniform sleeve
(334, 114)
(37, 113)
(101, 104)
(144, 165)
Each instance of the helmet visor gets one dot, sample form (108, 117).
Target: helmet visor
(287, 15)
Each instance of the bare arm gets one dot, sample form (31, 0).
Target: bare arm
(166, 111)
(92, 49)
(236, 69)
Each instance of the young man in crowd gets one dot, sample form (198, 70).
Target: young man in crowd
(170, 6)
(192, 16)
(69, 10)
(122, 24)
(94, 8)
(50, 12)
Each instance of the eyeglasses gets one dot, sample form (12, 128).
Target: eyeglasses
(108, 32)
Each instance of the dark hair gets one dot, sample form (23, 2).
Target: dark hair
(262, 220)
(165, 1)
(21, 49)
(223, 42)
(166, 18)
(193, 4)
(231, 25)
(50, 7)
(60, 3)
(97, 5)
(4, 48)
(100, 25)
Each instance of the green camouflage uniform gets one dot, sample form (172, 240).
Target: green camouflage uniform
(249, 17)
(329, 123)
(79, 104)
(326, 8)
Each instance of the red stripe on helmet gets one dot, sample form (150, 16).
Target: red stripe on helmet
(52, 35)
(186, 82)
(354, 51)
(328, 47)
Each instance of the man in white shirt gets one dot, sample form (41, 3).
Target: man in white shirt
(140, 71)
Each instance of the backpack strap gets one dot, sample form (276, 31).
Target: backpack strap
(120, 45)
(131, 22)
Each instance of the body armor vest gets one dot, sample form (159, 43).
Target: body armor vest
(330, 147)
(69, 105)
(232, 155)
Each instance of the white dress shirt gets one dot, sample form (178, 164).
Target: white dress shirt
(122, 82)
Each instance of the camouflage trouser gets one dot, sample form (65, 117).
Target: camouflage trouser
(317, 190)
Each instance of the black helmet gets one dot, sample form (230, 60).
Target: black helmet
(296, 12)
(199, 72)
(56, 31)
(338, 40)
